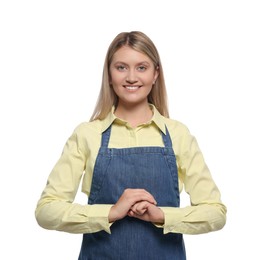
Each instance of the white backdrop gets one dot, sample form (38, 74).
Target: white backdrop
(51, 61)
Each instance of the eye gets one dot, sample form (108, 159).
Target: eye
(121, 67)
(141, 68)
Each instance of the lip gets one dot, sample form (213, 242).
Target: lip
(132, 88)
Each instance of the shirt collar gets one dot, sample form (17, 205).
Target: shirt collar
(110, 118)
(157, 118)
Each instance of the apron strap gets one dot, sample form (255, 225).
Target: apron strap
(105, 137)
(167, 139)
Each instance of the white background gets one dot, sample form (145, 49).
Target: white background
(51, 61)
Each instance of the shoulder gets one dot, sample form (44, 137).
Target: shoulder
(184, 143)
(87, 135)
(176, 127)
(88, 129)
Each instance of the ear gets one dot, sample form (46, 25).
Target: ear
(156, 74)
(110, 81)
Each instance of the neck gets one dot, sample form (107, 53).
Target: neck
(135, 115)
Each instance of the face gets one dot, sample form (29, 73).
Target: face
(132, 76)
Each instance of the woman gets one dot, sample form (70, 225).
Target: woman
(135, 162)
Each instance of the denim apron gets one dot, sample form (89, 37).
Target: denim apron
(151, 168)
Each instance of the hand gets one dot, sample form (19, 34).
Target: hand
(147, 211)
(129, 198)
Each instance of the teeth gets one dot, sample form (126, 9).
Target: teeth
(132, 87)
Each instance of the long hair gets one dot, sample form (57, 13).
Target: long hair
(108, 98)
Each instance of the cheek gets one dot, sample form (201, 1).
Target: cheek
(150, 79)
(116, 89)
(115, 78)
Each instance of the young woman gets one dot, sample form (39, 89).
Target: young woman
(135, 162)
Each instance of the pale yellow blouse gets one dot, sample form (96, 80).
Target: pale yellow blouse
(56, 210)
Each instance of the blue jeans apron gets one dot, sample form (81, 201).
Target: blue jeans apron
(151, 168)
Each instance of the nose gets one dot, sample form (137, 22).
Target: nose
(131, 77)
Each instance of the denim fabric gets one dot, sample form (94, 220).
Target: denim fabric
(151, 168)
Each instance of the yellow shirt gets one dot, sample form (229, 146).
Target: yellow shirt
(56, 210)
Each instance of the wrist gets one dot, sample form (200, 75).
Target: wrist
(111, 215)
(160, 219)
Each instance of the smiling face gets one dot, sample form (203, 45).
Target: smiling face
(132, 75)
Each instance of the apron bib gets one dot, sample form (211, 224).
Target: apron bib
(151, 168)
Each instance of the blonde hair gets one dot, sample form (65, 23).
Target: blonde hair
(107, 97)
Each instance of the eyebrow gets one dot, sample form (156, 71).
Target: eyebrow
(139, 63)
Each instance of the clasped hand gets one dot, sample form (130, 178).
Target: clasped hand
(137, 203)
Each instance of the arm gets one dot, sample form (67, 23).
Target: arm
(207, 213)
(55, 209)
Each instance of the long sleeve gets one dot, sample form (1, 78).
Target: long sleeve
(207, 213)
(55, 209)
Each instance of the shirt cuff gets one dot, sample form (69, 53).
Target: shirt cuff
(173, 218)
(98, 217)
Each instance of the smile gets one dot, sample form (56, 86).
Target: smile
(132, 87)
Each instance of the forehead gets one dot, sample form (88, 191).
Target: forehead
(129, 55)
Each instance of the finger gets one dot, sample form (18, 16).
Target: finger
(130, 213)
(136, 195)
(134, 214)
(140, 207)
